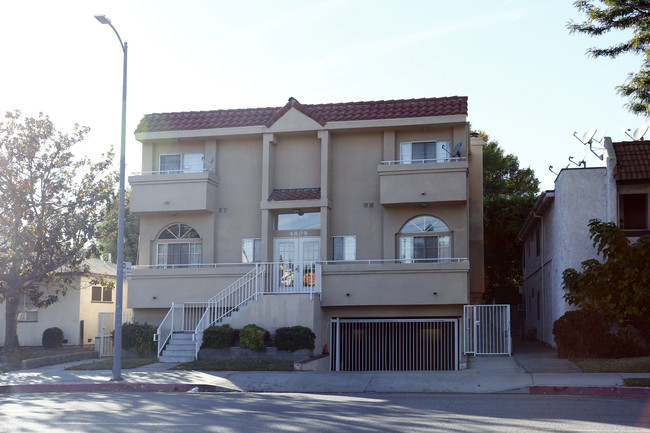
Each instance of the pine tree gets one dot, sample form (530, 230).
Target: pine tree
(621, 15)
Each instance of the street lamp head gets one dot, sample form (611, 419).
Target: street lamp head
(103, 19)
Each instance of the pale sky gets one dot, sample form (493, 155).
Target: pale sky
(529, 82)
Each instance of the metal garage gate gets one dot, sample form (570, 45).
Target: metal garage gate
(393, 344)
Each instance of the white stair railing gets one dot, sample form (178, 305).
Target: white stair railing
(165, 330)
(228, 302)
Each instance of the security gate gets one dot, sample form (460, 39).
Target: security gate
(394, 344)
(105, 328)
(486, 330)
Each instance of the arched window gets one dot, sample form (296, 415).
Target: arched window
(178, 245)
(424, 238)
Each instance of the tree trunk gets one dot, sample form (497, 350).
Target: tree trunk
(11, 318)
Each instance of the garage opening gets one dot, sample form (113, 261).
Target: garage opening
(394, 344)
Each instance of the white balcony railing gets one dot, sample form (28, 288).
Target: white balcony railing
(423, 161)
(389, 261)
(180, 171)
(324, 262)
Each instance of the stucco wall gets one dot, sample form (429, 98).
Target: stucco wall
(354, 160)
(273, 312)
(565, 243)
(296, 161)
(158, 288)
(395, 284)
(239, 169)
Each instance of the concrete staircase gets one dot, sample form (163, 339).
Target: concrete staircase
(181, 348)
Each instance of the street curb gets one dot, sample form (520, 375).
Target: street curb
(111, 387)
(628, 391)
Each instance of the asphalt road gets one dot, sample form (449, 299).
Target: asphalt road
(250, 412)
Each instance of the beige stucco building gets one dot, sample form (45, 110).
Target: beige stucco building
(76, 313)
(369, 211)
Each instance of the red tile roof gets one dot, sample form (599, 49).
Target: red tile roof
(295, 194)
(321, 113)
(632, 161)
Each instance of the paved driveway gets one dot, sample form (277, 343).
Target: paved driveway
(534, 357)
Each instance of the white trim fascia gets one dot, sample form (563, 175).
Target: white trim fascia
(201, 133)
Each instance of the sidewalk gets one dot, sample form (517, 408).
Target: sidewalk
(531, 370)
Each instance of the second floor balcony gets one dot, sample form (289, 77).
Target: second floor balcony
(394, 282)
(440, 281)
(425, 181)
(173, 191)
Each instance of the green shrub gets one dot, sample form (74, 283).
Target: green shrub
(218, 337)
(583, 334)
(628, 343)
(138, 336)
(128, 335)
(144, 343)
(253, 337)
(52, 338)
(294, 338)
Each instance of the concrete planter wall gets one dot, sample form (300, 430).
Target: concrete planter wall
(241, 353)
(58, 359)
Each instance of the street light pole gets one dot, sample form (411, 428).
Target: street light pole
(117, 342)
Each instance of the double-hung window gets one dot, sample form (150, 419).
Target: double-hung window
(424, 238)
(179, 245)
(251, 250)
(344, 248)
(181, 163)
(101, 294)
(27, 311)
(421, 152)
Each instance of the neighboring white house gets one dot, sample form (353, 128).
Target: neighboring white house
(75, 313)
(556, 236)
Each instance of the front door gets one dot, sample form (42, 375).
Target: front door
(295, 258)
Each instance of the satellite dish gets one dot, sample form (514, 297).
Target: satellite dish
(599, 141)
(586, 139)
(589, 135)
(456, 151)
(640, 132)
